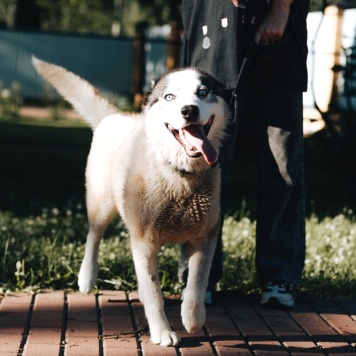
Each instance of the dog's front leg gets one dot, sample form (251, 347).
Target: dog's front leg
(145, 259)
(193, 308)
(89, 268)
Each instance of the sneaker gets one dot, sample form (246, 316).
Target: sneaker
(208, 299)
(278, 294)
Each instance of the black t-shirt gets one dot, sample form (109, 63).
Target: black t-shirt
(217, 36)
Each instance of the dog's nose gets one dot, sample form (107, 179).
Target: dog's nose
(190, 112)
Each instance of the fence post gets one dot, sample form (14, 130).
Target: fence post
(139, 65)
(173, 48)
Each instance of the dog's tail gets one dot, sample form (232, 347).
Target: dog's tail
(83, 96)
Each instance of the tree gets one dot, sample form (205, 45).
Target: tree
(85, 16)
(160, 12)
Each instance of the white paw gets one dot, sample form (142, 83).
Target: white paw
(87, 278)
(165, 338)
(193, 314)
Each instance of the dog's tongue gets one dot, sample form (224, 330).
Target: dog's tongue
(196, 137)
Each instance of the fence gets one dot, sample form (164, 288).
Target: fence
(114, 65)
(126, 66)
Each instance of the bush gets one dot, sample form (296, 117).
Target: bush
(10, 101)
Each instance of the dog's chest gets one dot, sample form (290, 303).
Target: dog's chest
(172, 210)
(178, 213)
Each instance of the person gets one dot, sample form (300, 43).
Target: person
(218, 36)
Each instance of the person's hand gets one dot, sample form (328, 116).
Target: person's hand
(273, 25)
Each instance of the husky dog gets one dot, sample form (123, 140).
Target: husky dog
(158, 170)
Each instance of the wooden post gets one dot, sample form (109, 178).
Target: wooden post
(173, 49)
(139, 65)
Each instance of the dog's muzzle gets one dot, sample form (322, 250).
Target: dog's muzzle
(190, 112)
(194, 137)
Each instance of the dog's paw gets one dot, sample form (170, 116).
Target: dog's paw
(87, 279)
(193, 314)
(165, 338)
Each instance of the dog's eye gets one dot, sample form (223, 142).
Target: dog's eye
(169, 97)
(202, 92)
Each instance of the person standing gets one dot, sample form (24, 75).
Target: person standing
(218, 36)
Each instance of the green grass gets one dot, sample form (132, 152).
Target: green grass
(45, 251)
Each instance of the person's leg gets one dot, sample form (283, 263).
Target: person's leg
(280, 235)
(225, 159)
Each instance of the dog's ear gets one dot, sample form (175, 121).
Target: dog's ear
(147, 95)
(158, 86)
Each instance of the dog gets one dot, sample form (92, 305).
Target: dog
(159, 171)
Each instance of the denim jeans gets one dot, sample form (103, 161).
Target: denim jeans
(280, 235)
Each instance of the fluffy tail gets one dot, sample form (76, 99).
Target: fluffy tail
(78, 92)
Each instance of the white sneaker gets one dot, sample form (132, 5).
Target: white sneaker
(278, 294)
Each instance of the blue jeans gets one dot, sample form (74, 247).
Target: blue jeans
(277, 120)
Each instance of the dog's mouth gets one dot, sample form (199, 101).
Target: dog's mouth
(194, 139)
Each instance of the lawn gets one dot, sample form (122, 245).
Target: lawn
(45, 251)
(43, 224)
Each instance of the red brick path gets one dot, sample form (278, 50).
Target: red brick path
(113, 323)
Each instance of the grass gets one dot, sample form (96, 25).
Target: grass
(45, 251)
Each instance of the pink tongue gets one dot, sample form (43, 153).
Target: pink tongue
(195, 135)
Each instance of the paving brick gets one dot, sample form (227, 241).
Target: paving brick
(117, 327)
(81, 307)
(322, 334)
(236, 325)
(120, 342)
(82, 346)
(14, 310)
(287, 330)
(115, 352)
(82, 335)
(9, 325)
(348, 305)
(46, 323)
(39, 349)
(44, 336)
(16, 298)
(48, 310)
(81, 329)
(147, 347)
(342, 323)
(225, 337)
(189, 342)
(10, 342)
(252, 326)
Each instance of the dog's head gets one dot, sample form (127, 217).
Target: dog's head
(186, 115)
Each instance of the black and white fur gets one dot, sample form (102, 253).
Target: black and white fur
(158, 170)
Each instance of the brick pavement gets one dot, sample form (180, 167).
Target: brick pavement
(113, 323)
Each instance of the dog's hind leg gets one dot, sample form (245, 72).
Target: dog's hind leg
(99, 215)
(193, 308)
(145, 259)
